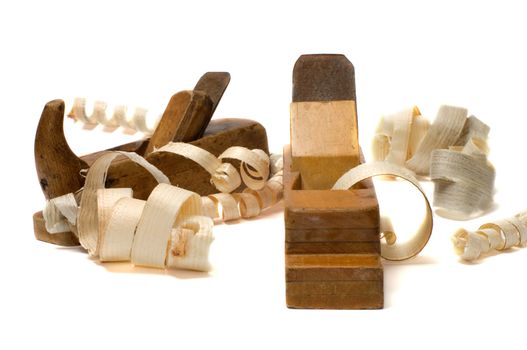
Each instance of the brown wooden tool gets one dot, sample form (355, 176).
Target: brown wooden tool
(59, 169)
(189, 112)
(332, 243)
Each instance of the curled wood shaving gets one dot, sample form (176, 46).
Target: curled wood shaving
(255, 166)
(119, 118)
(223, 175)
(399, 135)
(453, 152)
(60, 213)
(391, 249)
(444, 132)
(167, 207)
(464, 182)
(491, 237)
(88, 225)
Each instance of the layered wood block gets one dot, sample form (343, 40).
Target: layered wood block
(332, 241)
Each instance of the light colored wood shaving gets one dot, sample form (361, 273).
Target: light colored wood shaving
(464, 183)
(60, 213)
(491, 237)
(119, 118)
(444, 132)
(88, 220)
(453, 152)
(391, 249)
(223, 175)
(166, 207)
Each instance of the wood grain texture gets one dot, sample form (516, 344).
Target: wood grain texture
(220, 135)
(333, 267)
(214, 85)
(184, 119)
(189, 112)
(329, 247)
(331, 234)
(374, 300)
(58, 168)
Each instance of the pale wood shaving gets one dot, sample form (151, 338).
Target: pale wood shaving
(255, 166)
(120, 231)
(223, 175)
(88, 225)
(491, 237)
(60, 213)
(444, 132)
(391, 249)
(166, 207)
(119, 117)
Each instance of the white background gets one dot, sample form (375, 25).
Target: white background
(405, 53)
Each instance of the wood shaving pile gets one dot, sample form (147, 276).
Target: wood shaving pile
(452, 152)
(173, 227)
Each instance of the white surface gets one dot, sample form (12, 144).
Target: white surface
(420, 53)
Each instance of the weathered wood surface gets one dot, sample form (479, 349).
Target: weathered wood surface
(189, 112)
(183, 119)
(58, 168)
(332, 237)
(323, 78)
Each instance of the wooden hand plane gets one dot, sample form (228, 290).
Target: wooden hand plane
(186, 119)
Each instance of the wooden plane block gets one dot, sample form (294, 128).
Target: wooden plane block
(334, 281)
(333, 267)
(332, 236)
(329, 247)
(324, 137)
